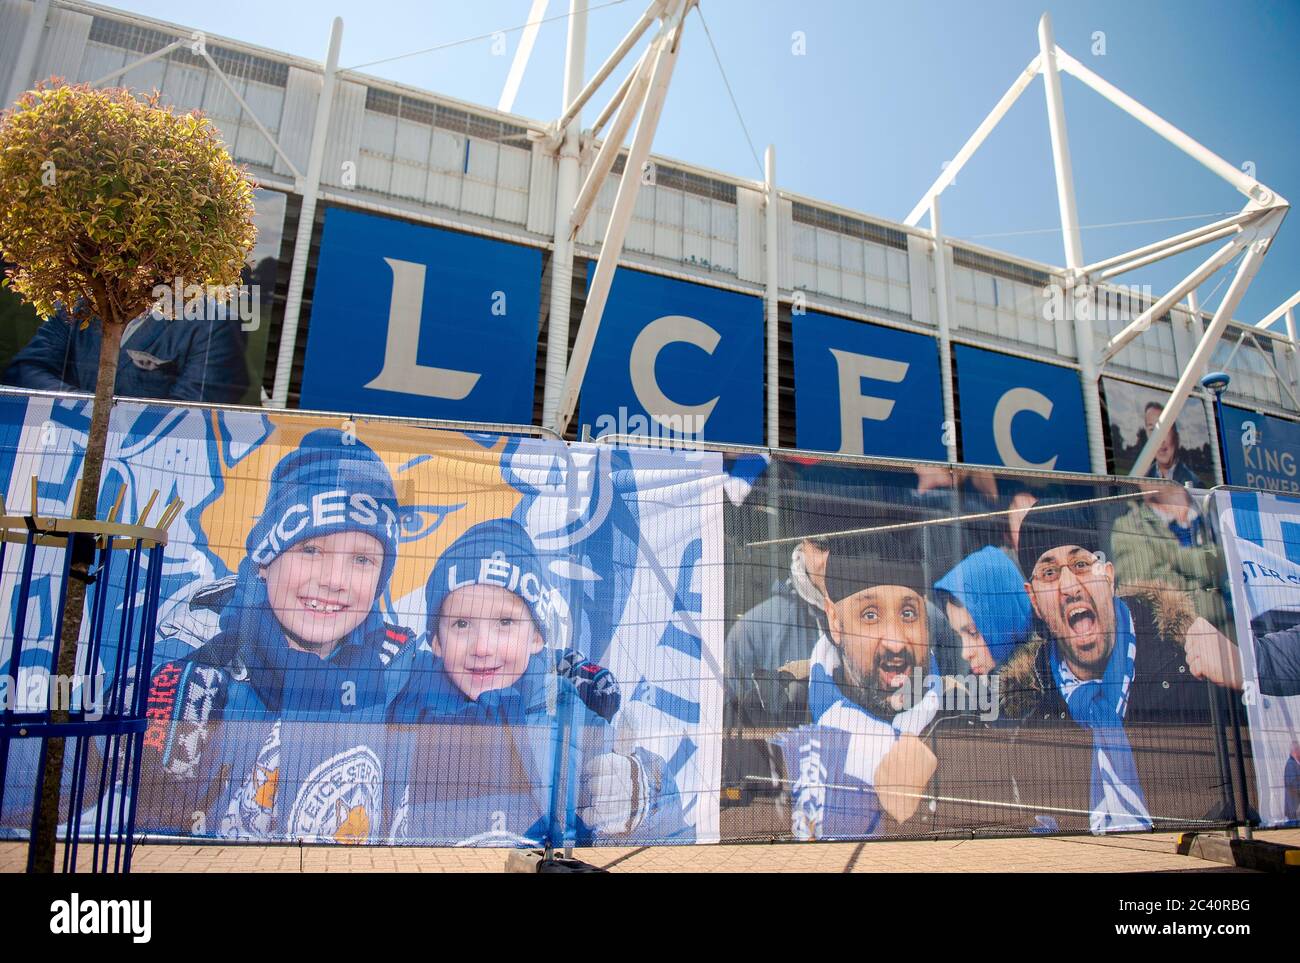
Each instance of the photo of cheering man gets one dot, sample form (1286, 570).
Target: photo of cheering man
(861, 765)
(1109, 688)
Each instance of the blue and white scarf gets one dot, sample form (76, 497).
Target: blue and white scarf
(872, 737)
(1117, 802)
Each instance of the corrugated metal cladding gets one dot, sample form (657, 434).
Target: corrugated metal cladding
(853, 260)
(14, 15)
(680, 217)
(400, 149)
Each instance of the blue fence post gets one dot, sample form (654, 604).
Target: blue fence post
(98, 718)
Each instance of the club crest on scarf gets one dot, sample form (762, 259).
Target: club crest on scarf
(339, 800)
(251, 812)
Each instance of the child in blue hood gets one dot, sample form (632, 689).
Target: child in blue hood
(274, 728)
(482, 712)
(985, 601)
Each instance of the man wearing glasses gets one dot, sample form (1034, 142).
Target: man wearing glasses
(1111, 685)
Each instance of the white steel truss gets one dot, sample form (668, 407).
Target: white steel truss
(199, 47)
(643, 93)
(307, 185)
(1247, 233)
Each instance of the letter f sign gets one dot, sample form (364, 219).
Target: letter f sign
(855, 407)
(401, 372)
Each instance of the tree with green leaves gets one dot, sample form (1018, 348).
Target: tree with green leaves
(104, 198)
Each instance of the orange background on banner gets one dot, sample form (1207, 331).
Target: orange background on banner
(457, 475)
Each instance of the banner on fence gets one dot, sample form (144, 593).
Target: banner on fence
(924, 652)
(384, 633)
(378, 633)
(1261, 536)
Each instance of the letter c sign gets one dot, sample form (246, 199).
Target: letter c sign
(1020, 412)
(1009, 405)
(654, 337)
(676, 359)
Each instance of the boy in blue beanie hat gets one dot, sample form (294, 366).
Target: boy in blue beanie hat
(986, 604)
(301, 642)
(485, 701)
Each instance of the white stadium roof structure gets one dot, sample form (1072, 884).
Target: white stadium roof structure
(331, 136)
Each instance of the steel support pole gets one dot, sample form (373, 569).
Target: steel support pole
(148, 59)
(523, 52)
(629, 185)
(1060, 146)
(574, 101)
(1172, 250)
(310, 187)
(1183, 288)
(772, 298)
(1073, 242)
(1149, 118)
(612, 145)
(252, 114)
(1194, 306)
(1164, 245)
(1216, 449)
(21, 77)
(973, 142)
(620, 95)
(566, 192)
(945, 329)
(1279, 311)
(1191, 375)
(1295, 347)
(1216, 444)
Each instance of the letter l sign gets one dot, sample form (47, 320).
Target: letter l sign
(401, 372)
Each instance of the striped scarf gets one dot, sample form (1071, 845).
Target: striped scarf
(1099, 705)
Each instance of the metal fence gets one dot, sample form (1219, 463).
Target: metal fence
(392, 632)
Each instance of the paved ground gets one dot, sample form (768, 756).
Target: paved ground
(1144, 853)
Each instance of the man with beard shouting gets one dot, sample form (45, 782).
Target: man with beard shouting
(861, 767)
(1115, 731)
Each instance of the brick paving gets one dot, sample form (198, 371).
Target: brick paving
(1117, 854)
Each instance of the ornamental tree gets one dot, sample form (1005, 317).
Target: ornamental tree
(103, 198)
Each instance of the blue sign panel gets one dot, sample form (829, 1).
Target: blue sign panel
(674, 359)
(1020, 413)
(864, 389)
(413, 320)
(1263, 451)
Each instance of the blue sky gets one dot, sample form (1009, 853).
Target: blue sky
(885, 92)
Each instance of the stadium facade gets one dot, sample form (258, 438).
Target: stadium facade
(425, 290)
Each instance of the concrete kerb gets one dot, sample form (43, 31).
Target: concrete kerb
(1257, 854)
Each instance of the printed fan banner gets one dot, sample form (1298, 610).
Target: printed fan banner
(378, 633)
(1261, 536)
(387, 634)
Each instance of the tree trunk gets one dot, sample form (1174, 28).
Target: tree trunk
(42, 846)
